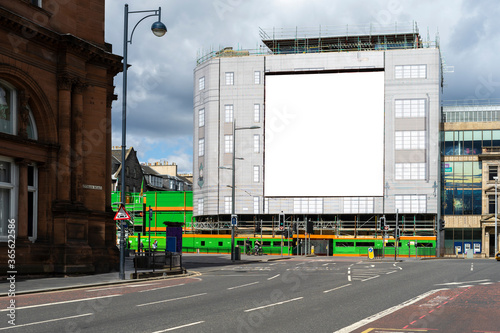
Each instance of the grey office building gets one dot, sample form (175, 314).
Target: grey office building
(337, 128)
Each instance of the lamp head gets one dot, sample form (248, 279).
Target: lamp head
(159, 29)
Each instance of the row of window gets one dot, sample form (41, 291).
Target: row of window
(468, 142)
(229, 79)
(404, 108)
(403, 203)
(400, 72)
(228, 114)
(404, 140)
(415, 204)
(229, 144)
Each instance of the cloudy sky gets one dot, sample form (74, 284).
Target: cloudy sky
(160, 81)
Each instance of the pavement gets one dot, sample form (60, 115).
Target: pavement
(190, 261)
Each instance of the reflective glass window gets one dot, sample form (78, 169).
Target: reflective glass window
(477, 142)
(495, 138)
(467, 142)
(486, 138)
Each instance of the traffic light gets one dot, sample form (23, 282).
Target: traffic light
(397, 233)
(441, 225)
(257, 227)
(382, 223)
(285, 233)
(282, 220)
(310, 227)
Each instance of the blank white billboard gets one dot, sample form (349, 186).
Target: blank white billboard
(324, 134)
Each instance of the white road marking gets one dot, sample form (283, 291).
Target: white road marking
(349, 274)
(45, 321)
(63, 302)
(486, 283)
(471, 267)
(390, 272)
(269, 305)
(373, 277)
(345, 285)
(455, 283)
(273, 277)
(172, 299)
(124, 286)
(177, 285)
(243, 285)
(182, 326)
(384, 313)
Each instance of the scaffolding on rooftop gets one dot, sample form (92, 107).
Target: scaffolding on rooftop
(330, 39)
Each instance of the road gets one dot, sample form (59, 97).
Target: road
(320, 294)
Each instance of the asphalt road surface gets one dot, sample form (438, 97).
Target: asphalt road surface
(320, 294)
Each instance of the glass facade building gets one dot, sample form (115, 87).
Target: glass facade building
(467, 131)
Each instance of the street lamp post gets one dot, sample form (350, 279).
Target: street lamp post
(159, 29)
(233, 187)
(496, 215)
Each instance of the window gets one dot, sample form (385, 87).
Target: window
(256, 77)
(229, 111)
(410, 108)
(7, 107)
(200, 206)
(7, 193)
(256, 143)
(228, 205)
(256, 205)
(266, 206)
(256, 174)
(201, 117)
(256, 113)
(308, 205)
(413, 171)
(229, 78)
(228, 144)
(358, 205)
(201, 147)
(201, 83)
(410, 140)
(411, 203)
(410, 72)
(491, 204)
(492, 172)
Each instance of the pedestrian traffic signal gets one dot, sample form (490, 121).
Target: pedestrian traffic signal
(282, 220)
(257, 227)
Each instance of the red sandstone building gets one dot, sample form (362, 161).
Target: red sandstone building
(56, 89)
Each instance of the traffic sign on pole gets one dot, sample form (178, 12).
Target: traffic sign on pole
(122, 214)
(234, 220)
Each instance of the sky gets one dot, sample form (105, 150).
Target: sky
(160, 79)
